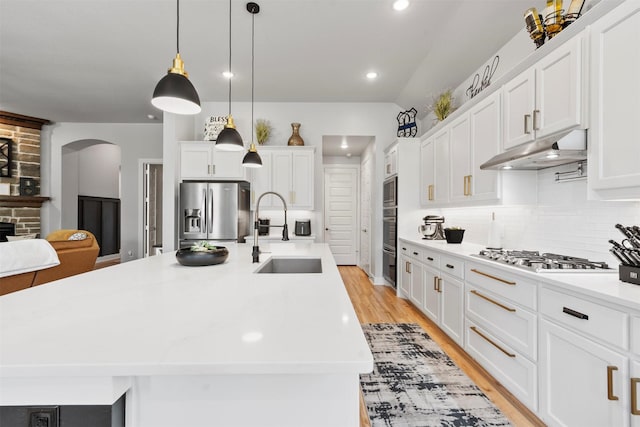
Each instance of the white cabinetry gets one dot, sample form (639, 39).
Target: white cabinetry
(547, 98)
(391, 161)
(411, 277)
(501, 328)
(287, 171)
(584, 381)
(201, 160)
(434, 169)
(614, 152)
(474, 139)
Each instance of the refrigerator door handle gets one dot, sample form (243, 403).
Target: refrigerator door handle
(210, 213)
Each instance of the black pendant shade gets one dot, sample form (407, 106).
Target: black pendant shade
(252, 158)
(174, 93)
(229, 139)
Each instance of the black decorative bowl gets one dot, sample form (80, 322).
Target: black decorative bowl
(453, 235)
(186, 256)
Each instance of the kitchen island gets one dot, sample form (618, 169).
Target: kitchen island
(215, 345)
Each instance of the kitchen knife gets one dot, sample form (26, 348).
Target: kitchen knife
(633, 256)
(618, 254)
(629, 235)
(616, 244)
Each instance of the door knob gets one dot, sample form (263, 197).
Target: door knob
(326, 229)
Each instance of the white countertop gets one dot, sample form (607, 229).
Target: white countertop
(601, 285)
(154, 316)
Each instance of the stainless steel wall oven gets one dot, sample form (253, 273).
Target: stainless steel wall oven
(389, 229)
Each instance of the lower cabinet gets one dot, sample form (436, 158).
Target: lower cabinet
(417, 285)
(582, 383)
(405, 275)
(634, 385)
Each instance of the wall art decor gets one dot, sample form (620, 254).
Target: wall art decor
(5, 157)
(295, 138)
(213, 126)
(407, 127)
(479, 83)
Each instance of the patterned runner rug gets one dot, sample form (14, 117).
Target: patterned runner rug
(414, 383)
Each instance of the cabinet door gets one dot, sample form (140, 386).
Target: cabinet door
(228, 164)
(615, 101)
(405, 276)
(634, 383)
(441, 166)
(261, 182)
(451, 305)
(486, 140)
(559, 89)
(519, 103)
(393, 160)
(302, 175)
(431, 305)
(460, 146)
(281, 177)
(427, 172)
(417, 288)
(196, 160)
(580, 380)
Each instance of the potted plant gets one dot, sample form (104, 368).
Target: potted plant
(263, 130)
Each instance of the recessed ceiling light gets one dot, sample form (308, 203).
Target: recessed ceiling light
(400, 4)
(552, 155)
(344, 145)
(372, 75)
(227, 74)
(151, 117)
(507, 167)
(348, 154)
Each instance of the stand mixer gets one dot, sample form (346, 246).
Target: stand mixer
(432, 228)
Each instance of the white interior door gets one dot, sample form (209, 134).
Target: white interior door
(341, 213)
(366, 171)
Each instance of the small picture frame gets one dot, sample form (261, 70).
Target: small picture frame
(213, 126)
(28, 187)
(5, 157)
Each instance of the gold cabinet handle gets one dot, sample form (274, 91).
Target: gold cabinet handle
(610, 394)
(408, 267)
(526, 123)
(468, 185)
(482, 273)
(435, 283)
(253, 196)
(430, 192)
(634, 396)
(490, 341)
(440, 284)
(536, 114)
(492, 301)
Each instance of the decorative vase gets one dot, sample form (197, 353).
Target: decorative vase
(295, 138)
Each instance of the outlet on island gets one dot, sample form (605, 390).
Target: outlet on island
(130, 254)
(43, 417)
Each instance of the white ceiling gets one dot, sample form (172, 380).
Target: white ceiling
(99, 60)
(333, 145)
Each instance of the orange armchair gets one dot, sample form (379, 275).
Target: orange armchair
(76, 256)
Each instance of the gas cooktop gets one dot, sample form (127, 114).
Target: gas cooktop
(543, 263)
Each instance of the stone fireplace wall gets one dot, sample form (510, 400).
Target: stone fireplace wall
(25, 132)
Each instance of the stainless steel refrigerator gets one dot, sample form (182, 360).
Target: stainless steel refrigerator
(214, 211)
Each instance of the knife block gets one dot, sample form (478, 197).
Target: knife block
(629, 274)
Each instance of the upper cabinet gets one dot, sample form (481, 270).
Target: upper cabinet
(546, 98)
(434, 169)
(614, 136)
(289, 172)
(391, 161)
(201, 160)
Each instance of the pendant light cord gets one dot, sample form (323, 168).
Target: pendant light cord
(230, 77)
(178, 26)
(253, 42)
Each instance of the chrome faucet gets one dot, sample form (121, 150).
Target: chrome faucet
(285, 227)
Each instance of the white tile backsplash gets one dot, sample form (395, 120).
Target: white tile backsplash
(563, 221)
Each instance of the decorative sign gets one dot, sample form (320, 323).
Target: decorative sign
(5, 157)
(478, 83)
(407, 123)
(213, 126)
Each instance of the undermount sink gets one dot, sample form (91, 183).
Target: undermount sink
(291, 265)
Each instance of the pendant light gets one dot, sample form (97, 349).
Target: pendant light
(174, 93)
(252, 158)
(229, 139)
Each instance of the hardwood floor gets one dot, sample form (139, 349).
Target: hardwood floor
(379, 304)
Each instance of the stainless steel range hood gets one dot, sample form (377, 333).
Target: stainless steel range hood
(544, 153)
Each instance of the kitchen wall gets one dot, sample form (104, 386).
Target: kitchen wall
(563, 221)
(136, 141)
